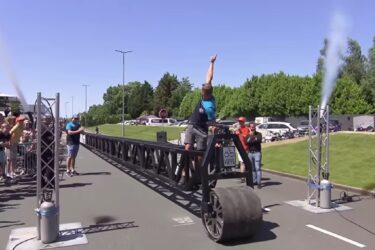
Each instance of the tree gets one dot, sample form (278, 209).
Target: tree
(113, 99)
(368, 83)
(320, 69)
(163, 92)
(147, 93)
(189, 103)
(184, 87)
(354, 66)
(348, 99)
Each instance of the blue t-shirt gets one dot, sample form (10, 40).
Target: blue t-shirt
(203, 113)
(210, 108)
(72, 139)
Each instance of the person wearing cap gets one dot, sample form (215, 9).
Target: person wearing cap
(254, 141)
(15, 135)
(242, 132)
(73, 130)
(203, 115)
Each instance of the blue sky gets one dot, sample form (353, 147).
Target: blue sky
(56, 46)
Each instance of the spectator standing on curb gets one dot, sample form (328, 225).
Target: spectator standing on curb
(254, 141)
(4, 144)
(73, 130)
(242, 133)
(16, 133)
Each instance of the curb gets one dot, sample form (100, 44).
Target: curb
(338, 186)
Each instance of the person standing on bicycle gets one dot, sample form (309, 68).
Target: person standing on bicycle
(202, 117)
(203, 114)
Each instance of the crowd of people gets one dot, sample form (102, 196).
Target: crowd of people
(15, 129)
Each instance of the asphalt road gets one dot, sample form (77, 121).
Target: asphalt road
(144, 214)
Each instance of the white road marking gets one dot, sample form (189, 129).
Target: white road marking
(186, 224)
(337, 236)
(183, 221)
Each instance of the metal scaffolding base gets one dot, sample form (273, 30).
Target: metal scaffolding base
(312, 208)
(26, 238)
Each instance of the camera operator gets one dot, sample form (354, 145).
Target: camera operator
(254, 140)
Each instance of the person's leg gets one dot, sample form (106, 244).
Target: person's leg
(70, 160)
(189, 143)
(257, 163)
(13, 160)
(2, 169)
(252, 160)
(201, 139)
(2, 163)
(74, 156)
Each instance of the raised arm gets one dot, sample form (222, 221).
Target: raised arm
(210, 72)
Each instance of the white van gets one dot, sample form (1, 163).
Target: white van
(275, 128)
(260, 120)
(160, 122)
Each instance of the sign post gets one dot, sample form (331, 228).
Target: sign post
(161, 136)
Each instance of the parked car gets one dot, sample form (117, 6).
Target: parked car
(334, 125)
(303, 127)
(160, 122)
(227, 122)
(276, 128)
(183, 123)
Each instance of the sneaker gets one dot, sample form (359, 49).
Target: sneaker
(75, 172)
(68, 173)
(181, 182)
(259, 186)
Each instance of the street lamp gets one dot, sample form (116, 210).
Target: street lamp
(85, 85)
(123, 87)
(66, 110)
(72, 106)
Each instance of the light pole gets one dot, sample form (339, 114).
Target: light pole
(123, 87)
(85, 85)
(72, 105)
(66, 110)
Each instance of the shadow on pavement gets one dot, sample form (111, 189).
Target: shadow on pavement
(103, 219)
(271, 183)
(265, 234)
(3, 207)
(18, 193)
(95, 173)
(73, 185)
(272, 205)
(189, 200)
(11, 223)
(78, 232)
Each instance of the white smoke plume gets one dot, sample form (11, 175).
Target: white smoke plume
(333, 60)
(7, 68)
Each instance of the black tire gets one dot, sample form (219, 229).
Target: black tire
(237, 214)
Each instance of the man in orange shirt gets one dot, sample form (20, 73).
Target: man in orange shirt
(242, 132)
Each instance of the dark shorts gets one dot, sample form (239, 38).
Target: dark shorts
(193, 135)
(73, 150)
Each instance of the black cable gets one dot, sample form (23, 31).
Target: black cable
(19, 243)
(344, 197)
